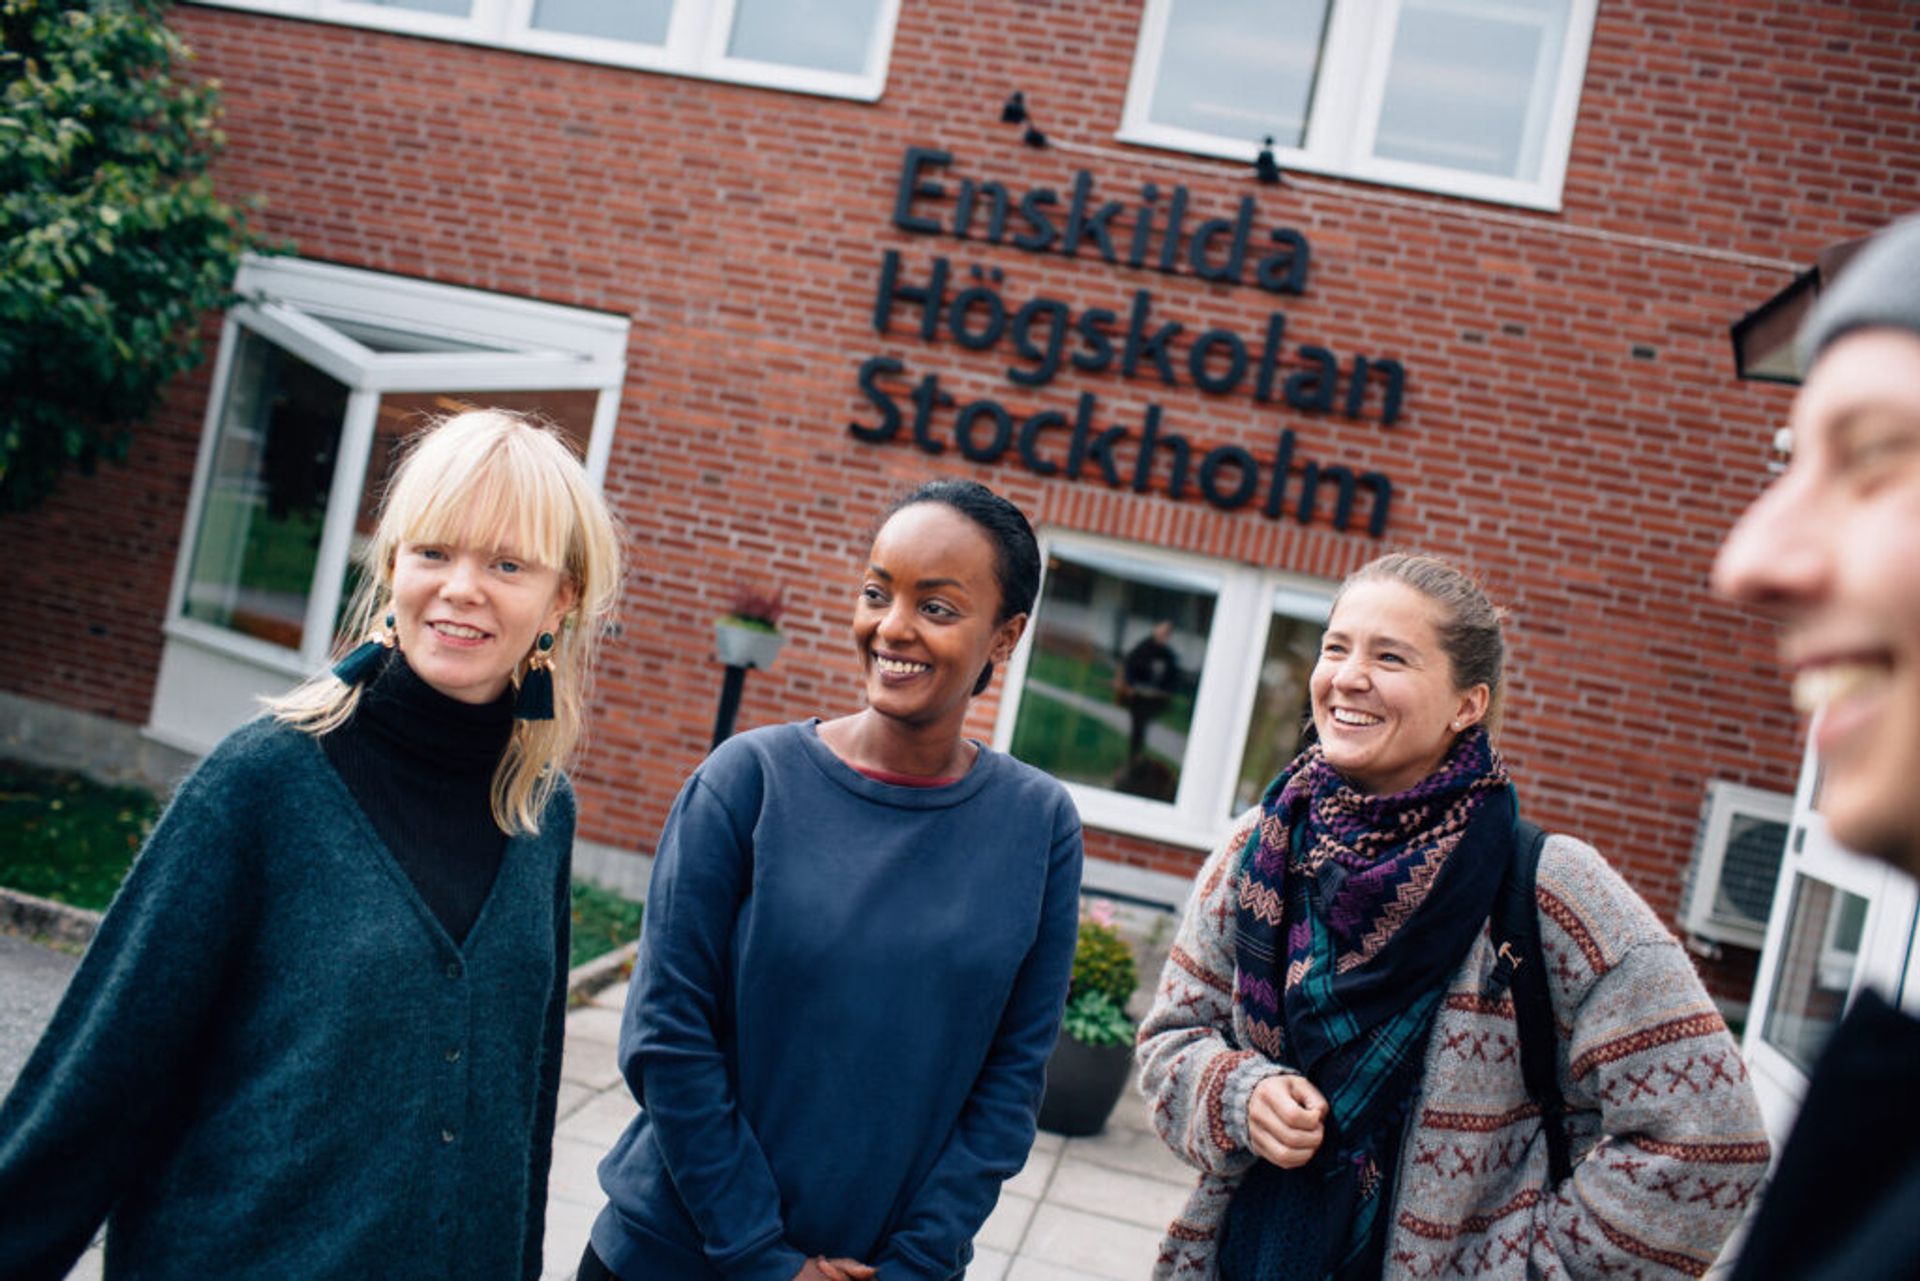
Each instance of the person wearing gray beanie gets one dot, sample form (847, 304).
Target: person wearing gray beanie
(1832, 551)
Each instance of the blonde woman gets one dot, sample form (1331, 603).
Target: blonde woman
(318, 1032)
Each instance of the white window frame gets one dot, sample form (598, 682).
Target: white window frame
(1343, 117)
(695, 44)
(1201, 813)
(210, 677)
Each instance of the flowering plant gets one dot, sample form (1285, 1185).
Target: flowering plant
(760, 610)
(1104, 976)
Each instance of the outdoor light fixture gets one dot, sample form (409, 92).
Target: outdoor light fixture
(1763, 338)
(1265, 168)
(1014, 112)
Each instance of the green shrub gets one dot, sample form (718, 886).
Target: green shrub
(1103, 963)
(1104, 976)
(1093, 1019)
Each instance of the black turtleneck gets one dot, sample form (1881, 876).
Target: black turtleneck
(421, 765)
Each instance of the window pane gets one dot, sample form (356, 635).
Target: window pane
(259, 534)
(402, 414)
(640, 21)
(1281, 707)
(1471, 84)
(457, 8)
(1824, 927)
(1240, 68)
(1117, 651)
(826, 35)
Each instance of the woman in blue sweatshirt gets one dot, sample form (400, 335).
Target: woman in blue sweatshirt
(318, 1033)
(857, 946)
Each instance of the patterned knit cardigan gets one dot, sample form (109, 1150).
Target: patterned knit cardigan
(1667, 1137)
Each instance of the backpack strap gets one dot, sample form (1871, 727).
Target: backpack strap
(1521, 964)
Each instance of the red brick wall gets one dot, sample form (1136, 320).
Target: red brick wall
(742, 230)
(91, 568)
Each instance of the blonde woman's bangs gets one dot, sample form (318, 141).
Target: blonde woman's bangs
(503, 496)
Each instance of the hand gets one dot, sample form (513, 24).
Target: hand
(1285, 1120)
(821, 1268)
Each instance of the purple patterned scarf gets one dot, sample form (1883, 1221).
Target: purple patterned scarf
(1372, 901)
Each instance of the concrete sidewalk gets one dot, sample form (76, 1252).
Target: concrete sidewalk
(1082, 1210)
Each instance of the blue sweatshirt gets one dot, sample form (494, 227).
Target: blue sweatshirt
(839, 1025)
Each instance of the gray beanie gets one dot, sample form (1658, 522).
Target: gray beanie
(1879, 287)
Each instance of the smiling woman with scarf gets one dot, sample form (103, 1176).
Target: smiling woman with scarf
(1325, 1045)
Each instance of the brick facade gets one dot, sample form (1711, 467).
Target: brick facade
(1571, 425)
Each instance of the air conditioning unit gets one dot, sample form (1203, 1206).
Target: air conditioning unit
(1736, 862)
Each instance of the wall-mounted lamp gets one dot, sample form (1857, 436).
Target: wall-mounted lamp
(1014, 112)
(1265, 168)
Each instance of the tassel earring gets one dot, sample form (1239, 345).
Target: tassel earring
(358, 662)
(535, 702)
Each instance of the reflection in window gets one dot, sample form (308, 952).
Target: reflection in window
(824, 35)
(1117, 651)
(1240, 68)
(1824, 928)
(1472, 97)
(266, 499)
(1471, 85)
(1281, 707)
(639, 21)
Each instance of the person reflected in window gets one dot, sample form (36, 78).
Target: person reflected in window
(318, 1033)
(1149, 675)
(1329, 1043)
(856, 952)
(1832, 550)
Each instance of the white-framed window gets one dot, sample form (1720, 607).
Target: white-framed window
(835, 48)
(1163, 689)
(321, 372)
(1840, 922)
(1472, 98)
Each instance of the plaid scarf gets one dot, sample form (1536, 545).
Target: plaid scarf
(1373, 901)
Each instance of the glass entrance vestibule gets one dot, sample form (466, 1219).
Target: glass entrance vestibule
(322, 372)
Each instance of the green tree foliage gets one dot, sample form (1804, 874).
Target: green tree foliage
(112, 242)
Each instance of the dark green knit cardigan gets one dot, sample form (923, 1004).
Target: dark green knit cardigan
(273, 1061)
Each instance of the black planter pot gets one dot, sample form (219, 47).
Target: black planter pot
(1083, 1084)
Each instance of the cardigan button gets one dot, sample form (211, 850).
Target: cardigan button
(453, 969)
(453, 1054)
(446, 1136)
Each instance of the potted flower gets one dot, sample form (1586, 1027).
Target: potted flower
(748, 634)
(1094, 1055)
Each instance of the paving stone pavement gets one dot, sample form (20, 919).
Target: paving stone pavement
(1087, 1209)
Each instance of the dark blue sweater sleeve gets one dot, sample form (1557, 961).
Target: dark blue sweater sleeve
(672, 1050)
(991, 1140)
(102, 1090)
